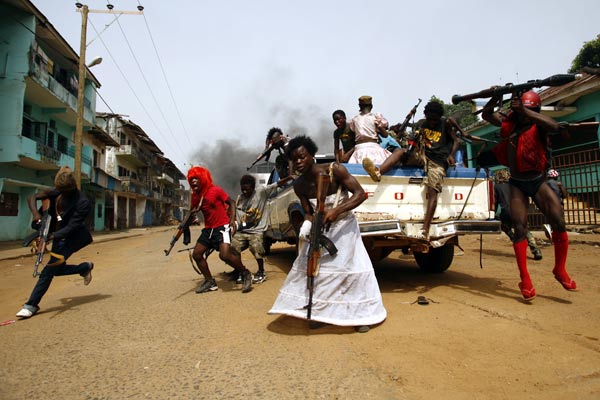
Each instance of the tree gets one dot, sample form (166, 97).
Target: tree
(589, 56)
(462, 112)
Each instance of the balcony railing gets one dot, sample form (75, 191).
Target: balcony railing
(50, 147)
(133, 186)
(63, 94)
(166, 178)
(131, 151)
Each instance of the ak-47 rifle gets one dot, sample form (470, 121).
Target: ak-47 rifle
(410, 115)
(42, 236)
(267, 153)
(262, 155)
(414, 140)
(554, 80)
(183, 226)
(317, 240)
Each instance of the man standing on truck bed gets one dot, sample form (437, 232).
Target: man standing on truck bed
(524, 132)
(439, 144)
(346, 292)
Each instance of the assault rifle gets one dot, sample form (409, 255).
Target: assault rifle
(554, 80)
(181, 229)
(317, 240)
(42, 236)
(410, 115)
(264, 154)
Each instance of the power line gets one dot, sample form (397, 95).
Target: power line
(104, 101)
(105, 28)
(148, 85)
(166, 80)
(129, 84)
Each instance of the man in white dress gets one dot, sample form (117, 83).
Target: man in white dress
(346, 292)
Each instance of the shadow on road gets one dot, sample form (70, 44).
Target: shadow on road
(291, 326)
(70, 303)
(400, 274)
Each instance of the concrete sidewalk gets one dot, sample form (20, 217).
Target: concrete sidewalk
(13, 249)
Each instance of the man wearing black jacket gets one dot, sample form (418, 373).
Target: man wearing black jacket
(69, 208)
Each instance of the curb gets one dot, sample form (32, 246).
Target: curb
(20, 252)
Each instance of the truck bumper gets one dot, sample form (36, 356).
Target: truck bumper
(437, 230)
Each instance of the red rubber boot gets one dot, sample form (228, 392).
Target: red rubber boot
(561, 248)
(525, 285)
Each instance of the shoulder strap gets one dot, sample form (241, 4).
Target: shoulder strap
(339, 191)
(199, 204)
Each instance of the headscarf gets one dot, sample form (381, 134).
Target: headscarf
(64, 181)
(205, 182)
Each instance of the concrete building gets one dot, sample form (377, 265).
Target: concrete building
(38, 110)
(150, 192)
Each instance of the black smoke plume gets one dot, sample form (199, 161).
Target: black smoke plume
(227, 160)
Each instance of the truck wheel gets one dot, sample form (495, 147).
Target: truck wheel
(437, 260)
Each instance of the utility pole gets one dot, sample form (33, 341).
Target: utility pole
(78, 139)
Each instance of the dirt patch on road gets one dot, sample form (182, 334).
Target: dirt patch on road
(140, 332)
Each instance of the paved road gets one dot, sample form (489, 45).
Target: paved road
(140, 332)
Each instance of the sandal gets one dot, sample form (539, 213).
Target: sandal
(570, 285)
(528, 294)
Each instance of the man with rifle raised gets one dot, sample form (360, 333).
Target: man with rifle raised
(335, 285)
(524, 133)
(68, 208)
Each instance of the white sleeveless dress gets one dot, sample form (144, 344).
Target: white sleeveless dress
(346, 292)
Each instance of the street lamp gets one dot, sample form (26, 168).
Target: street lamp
(78, 139)
(95, 61)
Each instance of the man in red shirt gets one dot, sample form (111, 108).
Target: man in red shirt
(218, 210)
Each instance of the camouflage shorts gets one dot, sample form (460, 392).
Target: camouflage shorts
(254, 241)
(435, 176)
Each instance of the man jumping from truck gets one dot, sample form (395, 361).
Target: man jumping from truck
(435, 152)
(524, 132)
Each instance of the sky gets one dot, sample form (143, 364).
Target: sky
(207, 80)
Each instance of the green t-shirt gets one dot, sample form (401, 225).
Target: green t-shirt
(346, 136)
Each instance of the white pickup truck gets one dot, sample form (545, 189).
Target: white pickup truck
(394, 211)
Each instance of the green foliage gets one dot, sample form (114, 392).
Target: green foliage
(589, 56)
(462, 112)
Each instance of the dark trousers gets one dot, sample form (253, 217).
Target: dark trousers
(49, 272)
